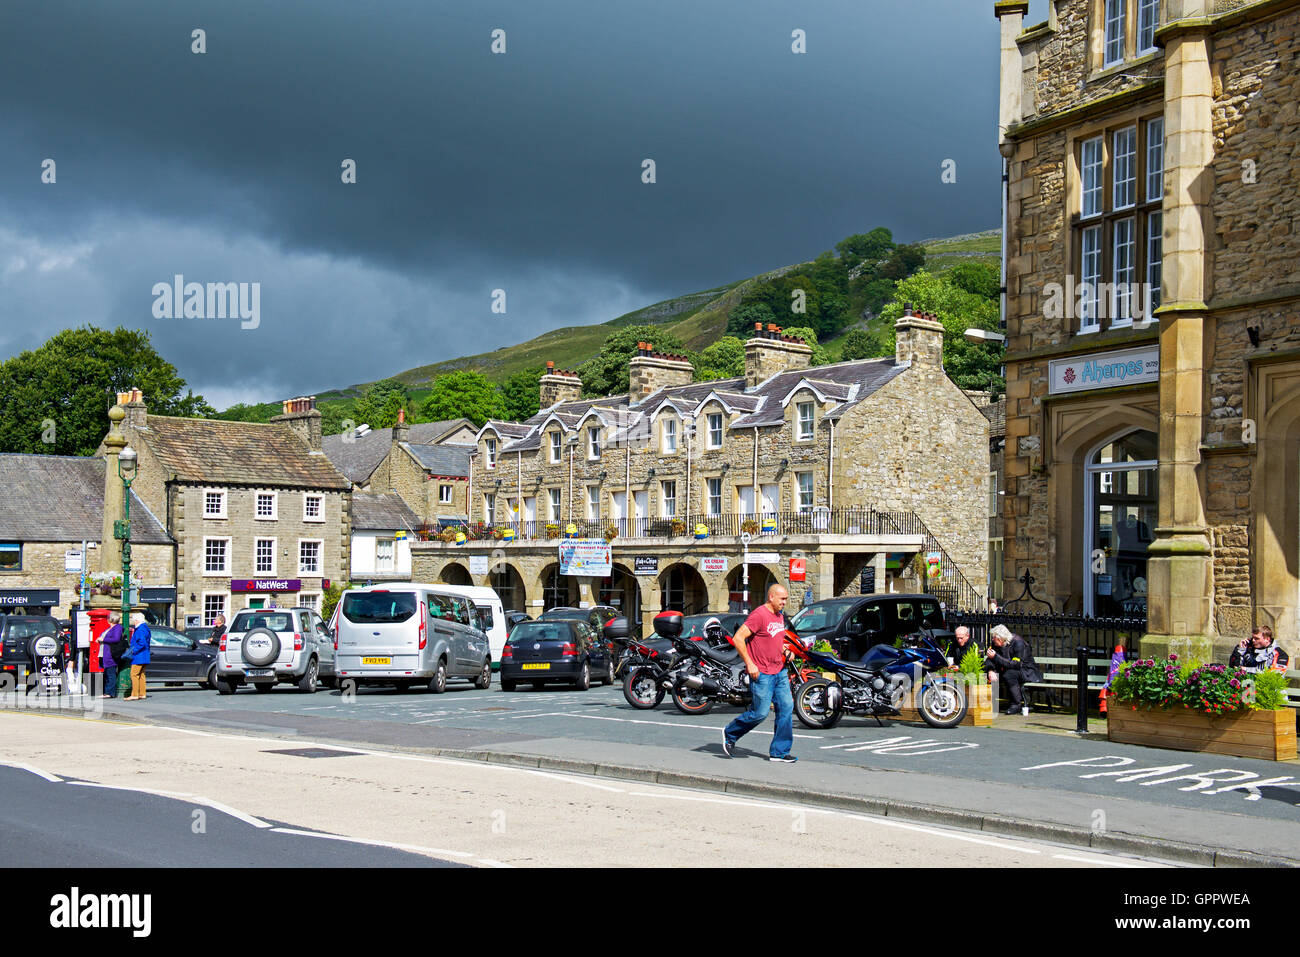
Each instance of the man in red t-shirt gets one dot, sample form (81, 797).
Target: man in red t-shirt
(761, 642)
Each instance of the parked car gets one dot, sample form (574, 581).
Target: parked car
(404, 635)
(201, 635)
(597, 616)
(513, 618)
(556, 649)
(269, 646)
(32, 653)
(855, 624)
(175, 658)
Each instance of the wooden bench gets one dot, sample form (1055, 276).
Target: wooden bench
(1061, 674)
(1293, 691)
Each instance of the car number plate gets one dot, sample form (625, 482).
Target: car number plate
(260, 672)
(545, 667)
(376, 661)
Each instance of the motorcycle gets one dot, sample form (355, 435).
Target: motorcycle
(880, 682)
(712, 674)
(646, 664)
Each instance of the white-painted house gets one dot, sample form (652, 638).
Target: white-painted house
(382, 529)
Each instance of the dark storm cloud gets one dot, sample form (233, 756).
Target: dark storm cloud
(475, 171)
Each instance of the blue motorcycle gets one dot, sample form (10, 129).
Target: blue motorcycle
(881, 683)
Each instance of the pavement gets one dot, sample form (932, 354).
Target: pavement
(1030, 777)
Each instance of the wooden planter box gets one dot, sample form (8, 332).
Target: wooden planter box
(1244, 734)
(980, 708)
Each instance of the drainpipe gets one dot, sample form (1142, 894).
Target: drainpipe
(571, 447)
(469, 491)
(830, 468)
(687, 429)
(519, 499)
(1006, 191)
(757, 509)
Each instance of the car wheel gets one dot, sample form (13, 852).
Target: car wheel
(211, 681)
(484, 679)
(438, 683)
(608, 677)
(584, 678)
(507, 684)
(224, 687)
(264, 686)
(307, 683)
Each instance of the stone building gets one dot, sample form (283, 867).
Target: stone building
(1153, 276)
(382, 529)
(258, 514)
(362, 452)
(852, 470)
(53, 504)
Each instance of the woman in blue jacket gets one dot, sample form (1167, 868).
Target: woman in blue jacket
(140, 637)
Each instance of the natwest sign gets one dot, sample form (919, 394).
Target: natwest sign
(265, 584)
(1103, 370)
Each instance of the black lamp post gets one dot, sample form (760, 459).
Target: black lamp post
(126, 465)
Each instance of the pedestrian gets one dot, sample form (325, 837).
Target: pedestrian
(962, 643)
(112, 644)
(140, 639)
(1009, 657)
(1259, 652)
(218, 629)
(761, 643)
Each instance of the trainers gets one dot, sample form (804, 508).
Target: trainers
(726, 744)
(786, 759)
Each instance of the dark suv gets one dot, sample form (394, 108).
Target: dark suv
(855, 623)
(31, 653)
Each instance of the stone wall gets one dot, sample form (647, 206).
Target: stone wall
(43, 564)
(649, 372)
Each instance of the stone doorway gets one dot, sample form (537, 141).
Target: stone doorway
(622, 591)
(454, 574)
(506, 581)
(682, 589)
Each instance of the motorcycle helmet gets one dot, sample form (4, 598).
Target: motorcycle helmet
(713, 629)
(668, 624)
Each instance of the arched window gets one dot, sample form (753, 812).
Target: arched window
(1119, 523)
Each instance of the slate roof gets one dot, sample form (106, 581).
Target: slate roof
(358, 458)
(238, 453)
(867, 374)
(60, 498)
(449, 460)
(996, 413)
(382, 512)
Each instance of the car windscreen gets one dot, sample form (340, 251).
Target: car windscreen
(819, 616)
(562, 614)
(378, 608)
(275, 620)
(31, 628)
(541, 631)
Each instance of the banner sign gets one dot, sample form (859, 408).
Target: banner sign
(72, 560)
(715, 565)
(1103, 370)
(645, 565)
(265, 584)
(764, 558)
(590, 557)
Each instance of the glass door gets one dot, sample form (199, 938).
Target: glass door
(1120, 519)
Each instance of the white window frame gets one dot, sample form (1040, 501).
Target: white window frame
(490, 444)
(275, 548)
(593, 444)
(224, 610)
(444, 494)
(805, 497)
(275, 506)
(593, 503)
(392, 555)
(1115, 18)
(307, 496)
(665, 498)
(320, 558)
(1155, 258)
(710, 497)
(310, 599)
(225, 570)
(555, 497)
(557, 448)
(1090, 274)
(489, 508)
(668, 436)
(1092, 177)
(1124, 186)
(716, 427)
(224, 499)
(1124, 271)
(1155, 162)
(810, 421)
(1148, 21)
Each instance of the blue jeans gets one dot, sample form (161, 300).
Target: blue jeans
(766, 689)
(110, 680)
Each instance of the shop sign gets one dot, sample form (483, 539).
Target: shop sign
(798, 570)
(645, 565)
(763, 558)
(478, 564)
(72, 560)
(32, 598)
(265, 584)
(1103, 370)
(589, 557)
(716, 565)
(867, 585)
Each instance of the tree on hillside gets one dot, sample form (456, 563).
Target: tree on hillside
(903, 261)
(724, 359)
(606, 372)
(55, 398)
(378, 405)
(522, 394)
(463, 394)
(977, 278)
(333, 415)
(970, 366)
(860, 344)
(741, 321)
(243, 412)
(866, 247)
(820, 356)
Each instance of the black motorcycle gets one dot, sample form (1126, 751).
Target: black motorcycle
(645, 665)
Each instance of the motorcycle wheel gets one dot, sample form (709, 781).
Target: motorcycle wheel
(811, 708)
(641, 689)
(942, 704)
(688, 701)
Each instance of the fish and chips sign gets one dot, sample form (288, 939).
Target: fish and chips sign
(588, 557)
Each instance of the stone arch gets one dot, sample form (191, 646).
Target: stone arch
(558, 590)
(1275, 511)
(622, 591)
(682, 587)
(454, 573)
(508, 583)
(761, 577)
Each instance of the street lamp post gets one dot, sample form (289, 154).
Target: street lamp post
(126, 465)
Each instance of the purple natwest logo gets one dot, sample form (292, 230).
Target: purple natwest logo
(1069, 375)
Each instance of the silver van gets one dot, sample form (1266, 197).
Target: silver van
(405, 635)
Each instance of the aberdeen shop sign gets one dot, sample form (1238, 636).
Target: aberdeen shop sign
(1103, 370)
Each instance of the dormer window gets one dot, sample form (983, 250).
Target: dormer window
(669, 445)
(715, 430)
(491, 446)
(555, 448)
(805, 421)
(593, 443)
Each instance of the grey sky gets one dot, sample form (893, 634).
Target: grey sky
(476, 171)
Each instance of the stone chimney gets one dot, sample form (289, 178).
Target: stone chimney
(1011, 100)
(559, 385)
(769, 352)
(132, 403)
(918, 339)
(300, 415)
(401, 431)
(651, 371)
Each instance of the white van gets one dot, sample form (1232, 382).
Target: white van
(407, 634)
(494, 615)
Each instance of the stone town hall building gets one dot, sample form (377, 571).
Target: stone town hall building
(1153, 281)
(856, 468)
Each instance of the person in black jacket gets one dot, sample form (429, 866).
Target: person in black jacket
(962, 642)
(218, 629)
(1009, 657)
(1259, 652)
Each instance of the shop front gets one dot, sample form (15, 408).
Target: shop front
(160, 602)
(28, 601)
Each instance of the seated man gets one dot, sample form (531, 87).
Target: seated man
(1009, 658)
(962, 643)
(1258, 652)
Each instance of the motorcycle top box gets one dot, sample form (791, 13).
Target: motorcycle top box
(668, 624)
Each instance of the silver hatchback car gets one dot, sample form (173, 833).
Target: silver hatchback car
(269, 646)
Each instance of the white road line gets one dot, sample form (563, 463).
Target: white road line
(666, 724)
(32, 770)
(573, 780)
(181, 795)
(394, 845)
(487, 862)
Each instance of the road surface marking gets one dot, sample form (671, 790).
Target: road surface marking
(1103, 862)
(181, 795)
(32, 770)
(394, 845)
(666, 724)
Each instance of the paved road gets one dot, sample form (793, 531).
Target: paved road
(1054, 778)
(422, 809)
